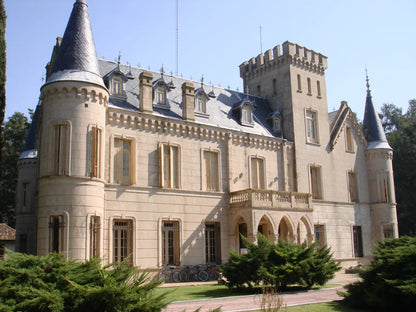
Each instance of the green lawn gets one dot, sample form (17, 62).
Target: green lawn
(322, 307)
(183, 293)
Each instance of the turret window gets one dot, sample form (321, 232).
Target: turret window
(61, 149)
(95, 152)
(56, 233)
(299, 83)
(318, 88)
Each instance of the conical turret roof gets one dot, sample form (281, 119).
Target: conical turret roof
(372, 128)
(77, 57)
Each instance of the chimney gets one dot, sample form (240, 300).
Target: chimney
(145, 92)
(188, 101)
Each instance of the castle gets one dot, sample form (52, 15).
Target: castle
(125, 163)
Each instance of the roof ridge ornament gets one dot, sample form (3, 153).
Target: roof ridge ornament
(367, 84)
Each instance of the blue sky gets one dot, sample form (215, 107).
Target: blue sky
(216, 36)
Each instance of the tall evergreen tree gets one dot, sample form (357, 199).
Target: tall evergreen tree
(401, 134)
(14, 133)
(2, 75)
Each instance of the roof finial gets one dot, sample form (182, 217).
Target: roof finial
(202, 80)
(162, 71)
(367, 80)
(118, 60)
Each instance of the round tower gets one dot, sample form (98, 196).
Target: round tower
(71, 150)
(26, 199)
(379, 157)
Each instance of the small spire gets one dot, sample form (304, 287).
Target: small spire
(162, 71)
(367, 80)
(202, 80)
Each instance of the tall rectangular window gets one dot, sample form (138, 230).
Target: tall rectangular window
(358, 241)
(311, 127)
(384, 188)
(211, 171)
(299, 83)
(56, 233)
(25, 195)
(315, 173)
(257, 173)
(96, 152)
(318, 88)
(122, 152)
(161, 95)
(95, 227)
(349, 143)
(169, 166)
(309, 86)
(320, 234)
(122, 240)
(212, 243)
(61, 149)
(170, 243)
(353, 186)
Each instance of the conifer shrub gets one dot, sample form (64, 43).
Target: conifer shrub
(53, 283)
(280, 265)
(389, 282)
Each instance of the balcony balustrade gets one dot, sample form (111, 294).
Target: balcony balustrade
(268, 199)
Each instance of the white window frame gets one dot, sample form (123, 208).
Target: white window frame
(260, 176)
(204, 171)
(171, 183)
(132, 162)
(319, 191)
(311, 126)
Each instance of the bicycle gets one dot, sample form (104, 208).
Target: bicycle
(169, 275)
(210, 273)
(188, 274)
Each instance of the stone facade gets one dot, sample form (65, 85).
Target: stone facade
(165, 171)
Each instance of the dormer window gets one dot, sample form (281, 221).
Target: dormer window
(276, 122)
(246, 115)
(160, 95)
(117, 85)
(201, 99)
(200, 106)
(243, 111)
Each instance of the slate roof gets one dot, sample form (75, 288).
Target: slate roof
(219, 108)
(372, 128)
(77, 57)
(7, 233)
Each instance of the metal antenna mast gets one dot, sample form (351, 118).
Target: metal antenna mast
(261, 43)
(177, 37)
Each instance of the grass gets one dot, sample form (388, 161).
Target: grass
(184, 293)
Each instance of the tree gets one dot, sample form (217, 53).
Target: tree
(2, 76)
(53, 283)
(14, 133)
(401, 134)
(389, 283)
(280, 265)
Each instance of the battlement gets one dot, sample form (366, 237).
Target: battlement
(292, 53)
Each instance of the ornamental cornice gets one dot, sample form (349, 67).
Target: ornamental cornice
(155, 124)
(89, 94)
(379, 154)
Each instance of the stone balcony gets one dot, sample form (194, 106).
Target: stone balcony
(268, 199)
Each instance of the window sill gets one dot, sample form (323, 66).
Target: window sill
(313, 143)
